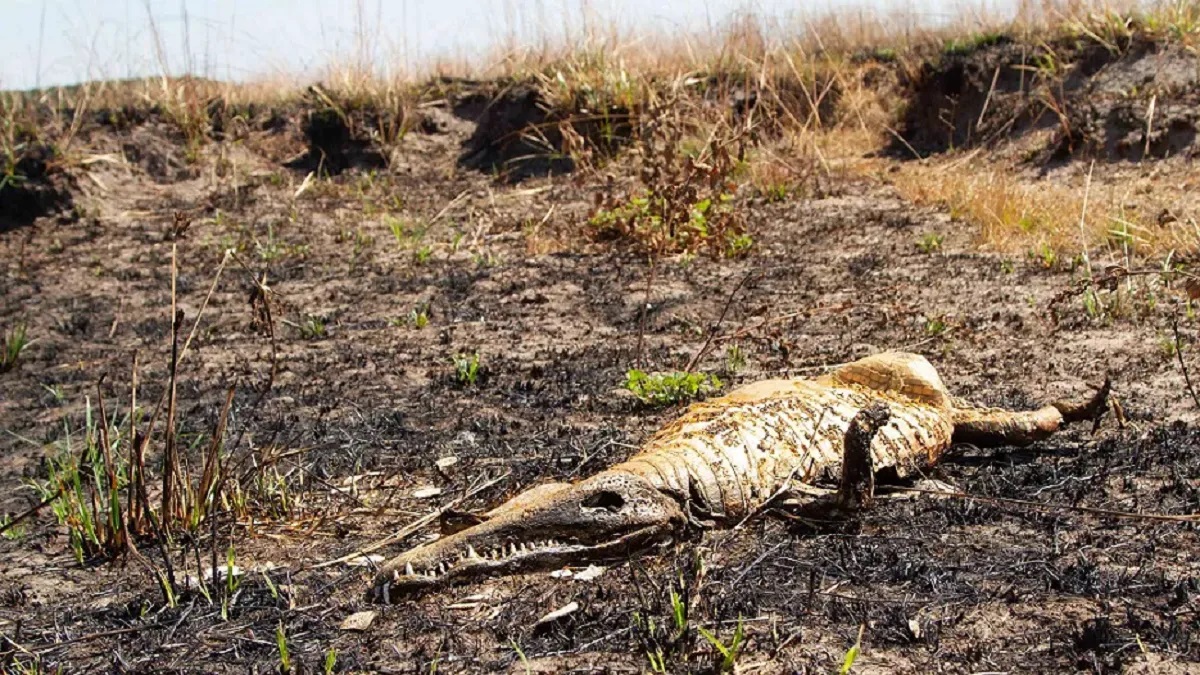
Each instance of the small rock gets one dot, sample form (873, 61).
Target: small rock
(359, 621)
(565, 610)
(592, 572)
(561, 574)
(446, 462)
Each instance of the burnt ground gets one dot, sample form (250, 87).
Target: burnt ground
(363, 402)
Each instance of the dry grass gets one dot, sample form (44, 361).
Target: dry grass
(1016, 214)
(822, 87)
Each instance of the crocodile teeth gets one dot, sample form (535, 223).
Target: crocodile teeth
(395, 575)
(471, 553)
(523, 548)
(408, 569)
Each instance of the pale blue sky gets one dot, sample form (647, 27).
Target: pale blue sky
(53, 42)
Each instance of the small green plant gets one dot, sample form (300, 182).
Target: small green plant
(852, 654)
(312, 327)
(972, 43)
(271, 587)
(521, 655)
(777, 192)
(1168, 345)
(404, 231)
(232, 582)
(1007, 266)
(285, 658)
(729, 653)
(1091, 303)
(738, 245)
(15, 342)
(935, 326)
(330, 661)
(56, 392)
(423, 254)
(466, 369)
(930, 242)
(735, 358)
(84, 486)
(13, 532)
(418, 317)
(670, 388)
(1046, 254)
(271, 248)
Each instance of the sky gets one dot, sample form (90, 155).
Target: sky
(59, 42)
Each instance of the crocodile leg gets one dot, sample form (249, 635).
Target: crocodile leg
(857, 489)
(992, 428)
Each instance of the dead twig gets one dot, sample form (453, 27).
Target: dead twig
(1168, 517)
(29, 512)
(1187, 378)
(411, 527)
(712, 331)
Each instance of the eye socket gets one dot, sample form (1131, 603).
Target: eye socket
(605, 499)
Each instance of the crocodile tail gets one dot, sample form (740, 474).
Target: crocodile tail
(986, 427)
(990, 428)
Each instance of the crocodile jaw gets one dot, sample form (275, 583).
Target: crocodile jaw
(608, 515)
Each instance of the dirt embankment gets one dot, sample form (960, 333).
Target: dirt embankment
(1127, 102)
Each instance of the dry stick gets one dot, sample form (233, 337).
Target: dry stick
(1169, 517)
(138, 503)
(1149, 124)
(32, 510)
(712, 331)
(411, 527)
(170, 458)
(145, 441)
(1187, 379)
(1087, 188)
(114, 535)
(211, 482)
(988, 99)
(637, 356)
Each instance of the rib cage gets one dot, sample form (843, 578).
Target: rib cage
(729, 455)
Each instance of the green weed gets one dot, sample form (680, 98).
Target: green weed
(15, 342)
(735, 358)
(670, 388)
(935, 326)
(729, 653)
(852, 654)
(312, 327)
(285, 658)
(971, 44)
(14, 532)
(466, 369)
(930, 242)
